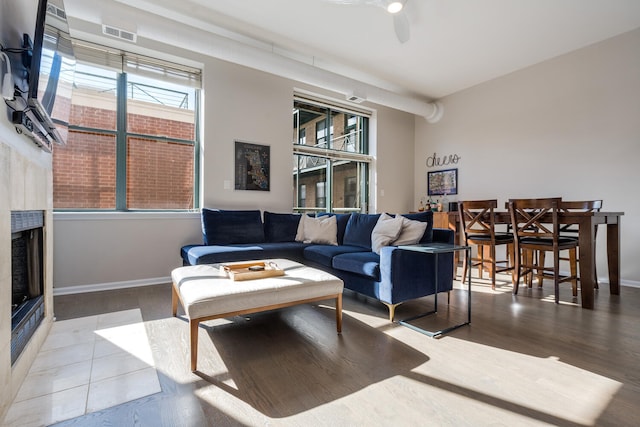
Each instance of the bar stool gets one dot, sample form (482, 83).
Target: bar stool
(478, 227)
(571, 230)
(536, 228)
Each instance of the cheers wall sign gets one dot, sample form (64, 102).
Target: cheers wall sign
(447, 160)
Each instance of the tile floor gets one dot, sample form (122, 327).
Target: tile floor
(85, 365)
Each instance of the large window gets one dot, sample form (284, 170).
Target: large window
(334, 163)
(132, 141)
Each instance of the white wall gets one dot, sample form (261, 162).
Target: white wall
(104, 251)
(108, 250)
(567, 127)
(251, 106)
(394, 142)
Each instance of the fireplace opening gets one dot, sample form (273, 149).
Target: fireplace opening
(27, 277)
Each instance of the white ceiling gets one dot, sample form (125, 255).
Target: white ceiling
(454, 44)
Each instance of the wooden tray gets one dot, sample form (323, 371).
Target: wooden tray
(241, 271)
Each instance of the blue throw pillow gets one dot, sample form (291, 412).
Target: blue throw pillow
(280, 227)
(342, 220)
(427, 217)
(359, 228)
(222, 227)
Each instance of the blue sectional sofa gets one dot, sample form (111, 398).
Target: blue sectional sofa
(391, 276)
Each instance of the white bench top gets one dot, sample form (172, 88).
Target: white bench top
(205, 290)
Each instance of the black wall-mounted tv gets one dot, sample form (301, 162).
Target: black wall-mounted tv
(50, 65)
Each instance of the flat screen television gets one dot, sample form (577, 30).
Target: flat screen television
(50, 67)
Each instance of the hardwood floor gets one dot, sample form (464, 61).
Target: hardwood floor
(523, 361)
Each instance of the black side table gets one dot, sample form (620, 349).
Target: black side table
(437, 249)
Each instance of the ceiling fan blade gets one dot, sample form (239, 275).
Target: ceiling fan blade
(401, 27)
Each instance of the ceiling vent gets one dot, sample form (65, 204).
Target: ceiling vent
(357, 98)
(56, 11)
(119, 33)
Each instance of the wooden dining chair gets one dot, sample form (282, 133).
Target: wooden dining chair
(530, 256)
(536, 228)
(571, 230)
(477, 221)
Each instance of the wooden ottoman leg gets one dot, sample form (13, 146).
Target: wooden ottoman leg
(339, 313)
(193, 345)
(174, 299)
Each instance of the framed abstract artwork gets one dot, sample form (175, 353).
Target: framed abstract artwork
(252, 163)
(442, 182)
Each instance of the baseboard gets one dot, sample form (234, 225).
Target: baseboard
(81, 289)
(629, 283)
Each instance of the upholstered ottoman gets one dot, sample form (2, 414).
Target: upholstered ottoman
(206, 293)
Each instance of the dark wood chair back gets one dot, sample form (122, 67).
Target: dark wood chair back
(536, 228)
(529, 218)
(477, 221)
(577, 206)
(477, 218)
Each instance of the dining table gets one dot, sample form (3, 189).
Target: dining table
(587, 223)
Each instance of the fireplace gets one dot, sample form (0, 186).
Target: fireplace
(27, 277)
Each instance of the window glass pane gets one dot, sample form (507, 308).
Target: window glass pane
(93, 102)
(159, 174)
(309, 125)
(347, 178)
(85, 172)
(321, 197)
(321, 133)
(309, 178)
(329, 180)
(345, 131)
(157, 171)
(159, 108)
(348, 132)
(303, 195)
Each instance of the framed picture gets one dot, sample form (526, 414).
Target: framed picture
(252, 166)
(442, 182)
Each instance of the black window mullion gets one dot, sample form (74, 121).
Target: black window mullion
(121, 143)
(196, 148)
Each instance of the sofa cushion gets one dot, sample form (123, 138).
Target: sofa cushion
(280, 227)
(224, 227)
(200, 254)
(359, 229)
(411, 233)
(427, 217)
(321, 230)
(362, 263)
(323, 254)
(288, 250)
(387, 230)
(342, 220)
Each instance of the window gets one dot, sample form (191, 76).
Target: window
(132, 141)
(302, 139)
(302, 200)
(321, 198)
(350, 193)
(336, 164)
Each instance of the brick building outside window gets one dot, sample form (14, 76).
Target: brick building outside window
(132, 144)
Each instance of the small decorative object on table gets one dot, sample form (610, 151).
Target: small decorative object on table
(251, 270)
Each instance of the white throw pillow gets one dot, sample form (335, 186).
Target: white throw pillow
(412, 232)
(387, 230)
(321, 230)
(300, 232)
